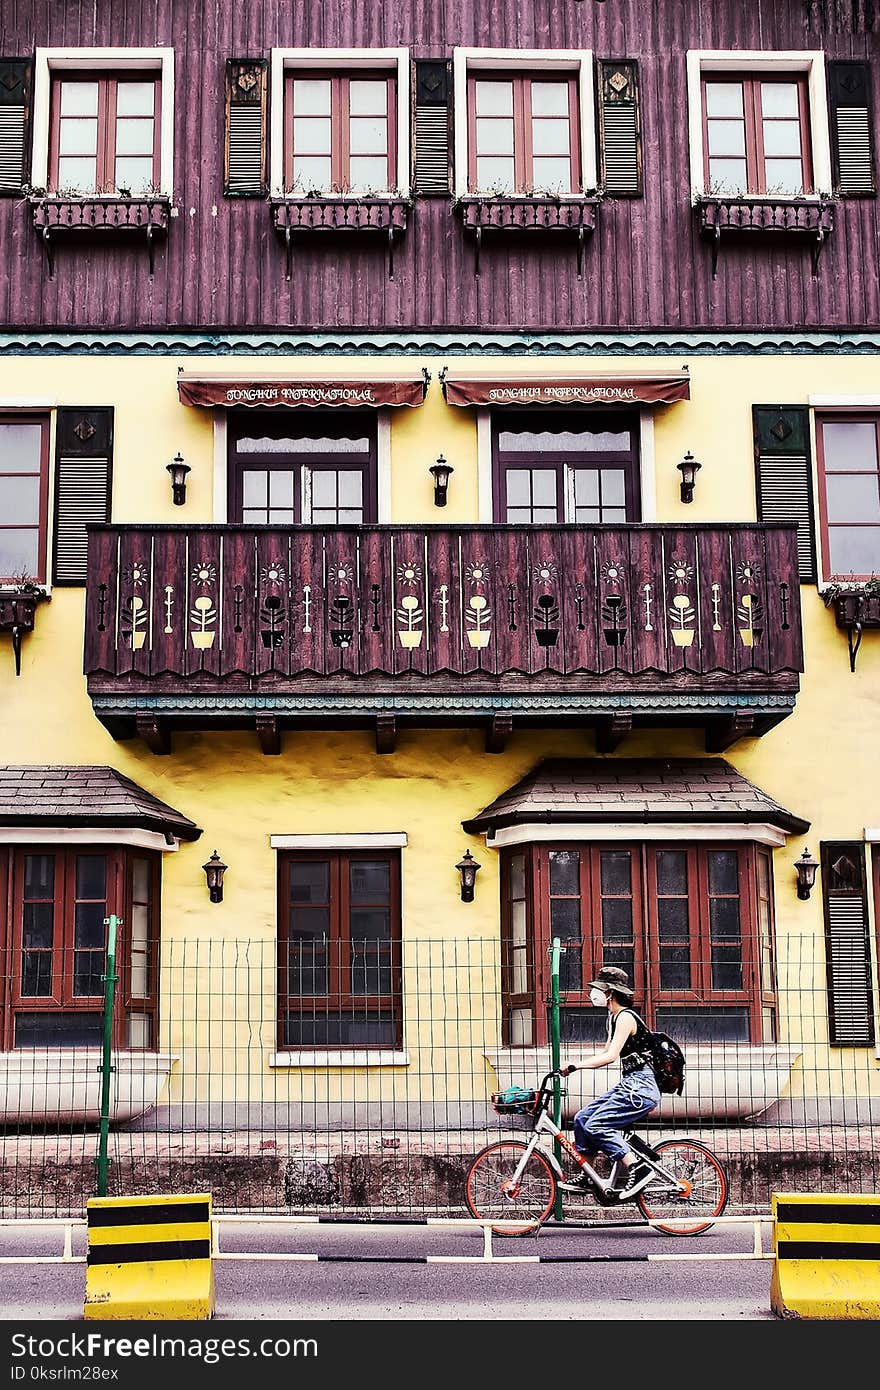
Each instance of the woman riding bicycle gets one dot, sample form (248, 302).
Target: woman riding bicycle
(597, 1128)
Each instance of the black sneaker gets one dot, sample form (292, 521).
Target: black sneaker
(582, 1182)
(637, 1177)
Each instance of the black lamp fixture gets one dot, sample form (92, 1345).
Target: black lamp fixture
(806, 873)
(467, 867)
(688, 468)
(214, 871)
(440, 472)
(178, 470)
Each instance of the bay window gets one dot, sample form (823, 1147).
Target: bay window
(691, 924)
(56, 942)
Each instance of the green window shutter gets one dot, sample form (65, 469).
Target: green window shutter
(620, 134)
(244, 174)
(15, 108)
(784, 476)
(847, 945)
(83, 481)
(432, 107)
(852, 154)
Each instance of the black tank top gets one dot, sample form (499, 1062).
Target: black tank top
(637, 1041)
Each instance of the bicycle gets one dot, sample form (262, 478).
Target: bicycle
(512, 1179)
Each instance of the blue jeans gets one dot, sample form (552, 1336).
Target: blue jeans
(597, 1127)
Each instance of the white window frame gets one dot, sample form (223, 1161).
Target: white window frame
(50, 61)
(526, 61)
(701, 62)
(340, 62)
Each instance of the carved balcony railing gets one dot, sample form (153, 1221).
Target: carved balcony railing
(797, 218)
(212, 626)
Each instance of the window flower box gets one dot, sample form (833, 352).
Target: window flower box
(856, 606)
(56, 215)
(385, 216)
(503, 213)
(18, 608)
(809, 218)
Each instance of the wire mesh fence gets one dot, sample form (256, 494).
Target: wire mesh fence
(357, 1078)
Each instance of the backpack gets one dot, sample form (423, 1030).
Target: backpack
(666, 1058)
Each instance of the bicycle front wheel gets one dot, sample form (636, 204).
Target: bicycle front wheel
(492, 1195)
(704, 1188)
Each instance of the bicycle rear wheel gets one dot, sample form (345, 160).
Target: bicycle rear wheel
(490, 1195)
(704, 1196)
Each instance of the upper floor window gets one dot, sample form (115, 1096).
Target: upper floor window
(24, 496)
(849, 495)
(756, 134)
(103, 121)
(524, 122)
(758, 124)
(105, 133)
(302, 468)
(523, 134)
(578, 467)
(339, 122)
(340, 134)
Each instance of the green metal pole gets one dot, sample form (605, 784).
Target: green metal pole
(554, 1055)
(109, 981)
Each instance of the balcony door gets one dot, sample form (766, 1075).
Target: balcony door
(577, 466)
(302, 467)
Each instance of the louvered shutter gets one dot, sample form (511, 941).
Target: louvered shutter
(83, 477)
(784, 477)
(620, 137)
(245, 164)
(15, 101)
(849, 93)
(432, 108)
(847, 946)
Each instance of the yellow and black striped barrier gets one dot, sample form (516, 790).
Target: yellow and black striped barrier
(149, 1257)
(826, 1256)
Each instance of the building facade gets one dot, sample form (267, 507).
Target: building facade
(429, 433)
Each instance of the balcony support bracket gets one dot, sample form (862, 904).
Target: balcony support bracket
(612, 729)
(499, 731)
(154, 732)
(268, 734)
(386, 733)
(721, 733)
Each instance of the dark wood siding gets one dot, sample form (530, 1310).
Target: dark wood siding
(223, 265)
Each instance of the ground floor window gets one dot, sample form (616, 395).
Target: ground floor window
(339, 977)
(58, 902)
(691, 924)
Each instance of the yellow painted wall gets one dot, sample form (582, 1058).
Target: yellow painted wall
(823, 763)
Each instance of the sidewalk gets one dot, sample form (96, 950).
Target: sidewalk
(379, 1172)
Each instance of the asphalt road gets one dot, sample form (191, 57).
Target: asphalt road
(374, 1272)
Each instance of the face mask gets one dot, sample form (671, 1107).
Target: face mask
(599, 998)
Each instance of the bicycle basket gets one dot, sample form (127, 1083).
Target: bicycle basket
(516, 1100)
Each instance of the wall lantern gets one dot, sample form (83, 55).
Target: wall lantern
(178, 470)
(467, 868)
(806, 873)
(688, 468)
(440, 472)
(214, 871)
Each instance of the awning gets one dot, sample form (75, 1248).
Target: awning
(328, 391)
(594, 388)
(99, 798)
(680, 792)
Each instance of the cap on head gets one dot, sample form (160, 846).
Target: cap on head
(612, 977)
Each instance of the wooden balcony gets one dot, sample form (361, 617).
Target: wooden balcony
(379, 627)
